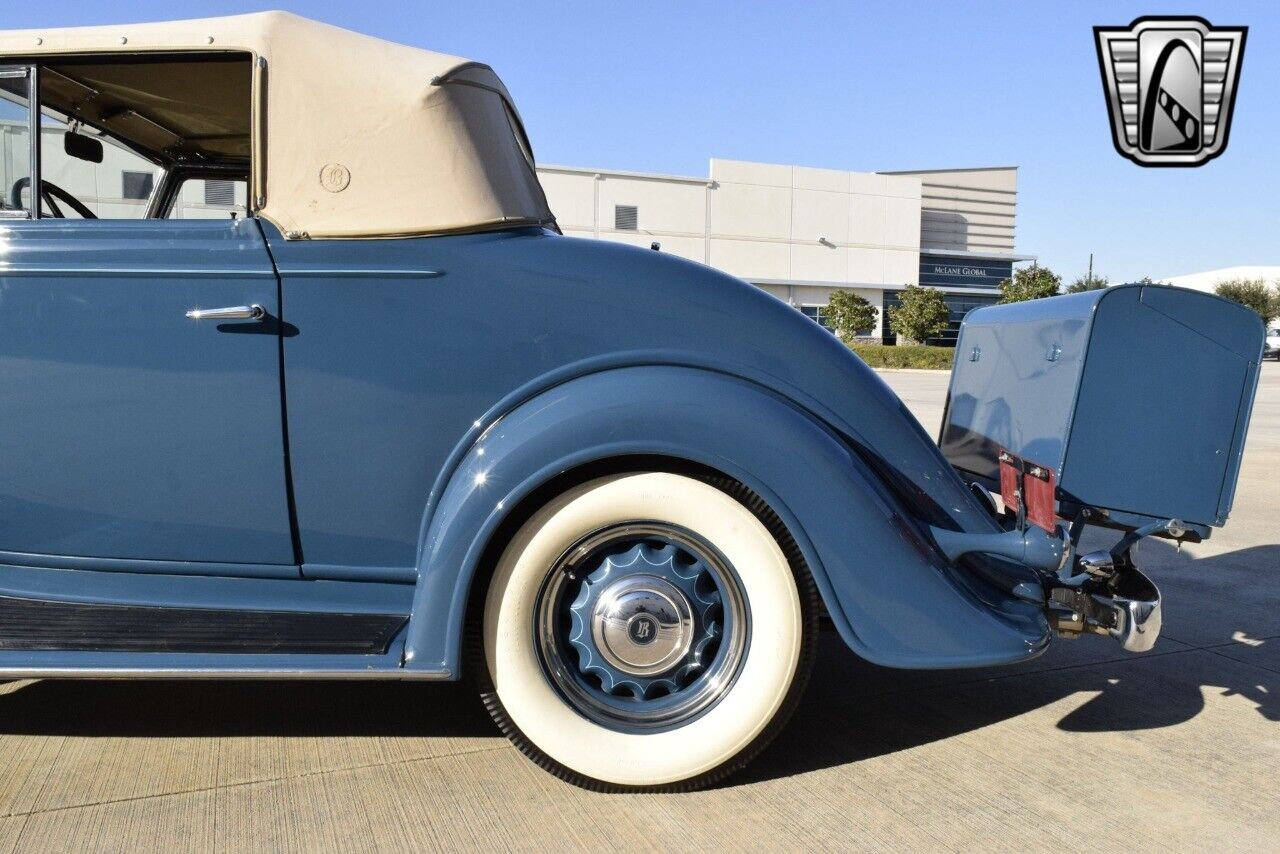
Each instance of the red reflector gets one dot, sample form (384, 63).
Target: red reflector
(1038, 487)
(1010, 474)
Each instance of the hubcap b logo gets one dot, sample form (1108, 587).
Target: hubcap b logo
(642, 629)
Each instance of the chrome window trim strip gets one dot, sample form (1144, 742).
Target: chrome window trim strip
(364, 274)
(139, 272)
(207, 274)
(150, 566)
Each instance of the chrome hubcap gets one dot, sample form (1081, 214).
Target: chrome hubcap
(642, 626)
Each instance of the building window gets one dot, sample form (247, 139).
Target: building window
(222, 193)
(626, 217)
(137, 185)
(818, 314)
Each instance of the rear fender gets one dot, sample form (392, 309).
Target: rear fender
(891, 595)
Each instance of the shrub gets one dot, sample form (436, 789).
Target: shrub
(923, 313)
(1253, 293)
(850, 315)
(905, 356)
(1087, 283)
(1030, 283)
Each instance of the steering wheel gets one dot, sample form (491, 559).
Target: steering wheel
(50, 191)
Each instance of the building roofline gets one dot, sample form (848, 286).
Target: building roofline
(961, 169)
(867, 286)
(1220, 270)
(624, 173)
(693, 179)
(973, 253)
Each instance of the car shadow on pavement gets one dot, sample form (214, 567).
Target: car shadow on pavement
(902, 712)
(852, 711)
(197, 708)
(1226, 607)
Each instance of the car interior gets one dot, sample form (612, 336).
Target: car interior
(139, 113)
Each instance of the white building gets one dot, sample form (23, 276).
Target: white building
(799, 232)
(1209, 279)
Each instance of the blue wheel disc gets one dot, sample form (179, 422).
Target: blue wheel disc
(642, 626)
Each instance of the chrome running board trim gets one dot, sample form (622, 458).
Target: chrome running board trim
(13, 673)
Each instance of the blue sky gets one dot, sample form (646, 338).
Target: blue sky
(664, 86)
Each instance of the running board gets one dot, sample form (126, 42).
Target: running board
(81, 664)
(46, 625)
(8, 673)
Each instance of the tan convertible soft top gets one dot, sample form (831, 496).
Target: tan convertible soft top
(355, 136)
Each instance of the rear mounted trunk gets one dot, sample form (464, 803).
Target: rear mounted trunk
(1133, 400)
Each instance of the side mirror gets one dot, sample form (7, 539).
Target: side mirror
(82, 147)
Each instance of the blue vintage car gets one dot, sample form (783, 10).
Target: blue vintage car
(384, 422)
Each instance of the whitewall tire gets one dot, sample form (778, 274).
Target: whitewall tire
(647, 631)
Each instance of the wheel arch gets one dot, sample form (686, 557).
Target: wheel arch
(691, 421)
(605, 467)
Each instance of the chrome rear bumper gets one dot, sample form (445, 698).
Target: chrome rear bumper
(1100, 593)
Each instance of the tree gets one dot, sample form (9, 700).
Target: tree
(1030, 283)
(1087, 282)
(1253, 293)
(850, 315)
(921, 314)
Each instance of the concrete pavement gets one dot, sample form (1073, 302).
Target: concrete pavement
(1085, 747)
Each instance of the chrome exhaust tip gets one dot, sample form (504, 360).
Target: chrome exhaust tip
(1137, 621)
(1126, 607)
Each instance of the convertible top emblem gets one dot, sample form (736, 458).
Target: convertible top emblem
(1170, 85)
(335, 177)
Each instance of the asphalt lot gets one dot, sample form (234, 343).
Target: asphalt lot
(1086, 747)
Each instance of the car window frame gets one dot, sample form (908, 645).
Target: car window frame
(172, 176)
(170, 188)
(32, 74)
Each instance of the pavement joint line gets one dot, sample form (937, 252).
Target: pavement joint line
(1133, 659)
(845, 702)
(266, 780)
(48, 772)
(1214, 650)
(1220, 645)
(999, 677)
(1240, 643)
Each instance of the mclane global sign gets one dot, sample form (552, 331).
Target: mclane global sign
(943, 270)
(1170, 85)
(939, 271)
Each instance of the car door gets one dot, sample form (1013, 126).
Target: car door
(135, 436)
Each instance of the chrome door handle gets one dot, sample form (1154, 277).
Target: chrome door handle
(235, 312)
